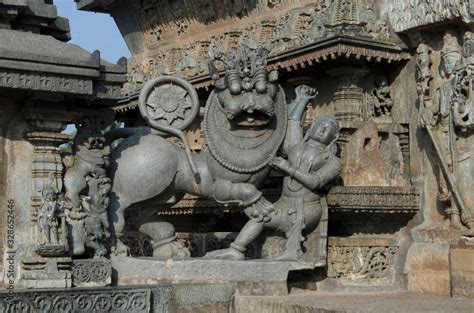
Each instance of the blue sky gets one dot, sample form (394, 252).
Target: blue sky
(94, 31)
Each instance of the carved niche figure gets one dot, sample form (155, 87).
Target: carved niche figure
(47, 219)
(283, 32)
(453, 143)
(52, 224)
(384, 103)
(311, 164)
(87, 187)
(423, 63)
(248, 39)
(319, 19)
(304, 29)
(244, 126)
(188, 64)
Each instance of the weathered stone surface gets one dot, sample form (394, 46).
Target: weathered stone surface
(407, 15)
(37, 62)
(39, 17)
(428, 268)
(316, 302)
(462, 270)
(248, 274)
(95, 272)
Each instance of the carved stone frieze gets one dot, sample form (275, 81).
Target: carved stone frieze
(367, 261)
(374, 199)
(91, 272)
(280, 32)
(405, 15)
(86, 300)
(54, 83)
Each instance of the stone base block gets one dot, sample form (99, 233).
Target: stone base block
(462, 270)
(251, 277)
(427, 267)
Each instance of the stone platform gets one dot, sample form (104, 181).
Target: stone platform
(249, 276)
(318, 302)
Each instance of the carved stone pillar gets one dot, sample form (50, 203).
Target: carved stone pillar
(349, 96)
(46, 265)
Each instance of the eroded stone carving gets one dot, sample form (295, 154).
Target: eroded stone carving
(453, 138)
(408, 14)
(281, 32)
(383, 106)
(136, 300)
(358, 263)
(91, 272)
(52, 224)
(87, 188)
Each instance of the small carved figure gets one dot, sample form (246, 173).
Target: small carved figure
(384, 105)
(52, 223)
(283, 32)
(319, 20)
(423, 62)
(248, 40)
(310, 165)
(47, 217)
(188, 63)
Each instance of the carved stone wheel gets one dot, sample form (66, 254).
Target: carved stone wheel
(168, 101)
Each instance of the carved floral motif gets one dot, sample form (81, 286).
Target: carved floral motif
(125, 300)
(358, 263)
(91, 272)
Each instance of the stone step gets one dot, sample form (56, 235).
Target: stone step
(318, 302)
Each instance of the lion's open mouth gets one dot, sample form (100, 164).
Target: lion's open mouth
(256, 119)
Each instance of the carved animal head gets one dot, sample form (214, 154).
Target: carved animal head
(248, 92)
(89, 133)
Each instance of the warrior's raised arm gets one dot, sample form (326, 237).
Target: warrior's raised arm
(296, 113)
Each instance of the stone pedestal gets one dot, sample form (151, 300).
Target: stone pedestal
(462, 269)
(250, 276)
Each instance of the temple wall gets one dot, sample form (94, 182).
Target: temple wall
(396, 76)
